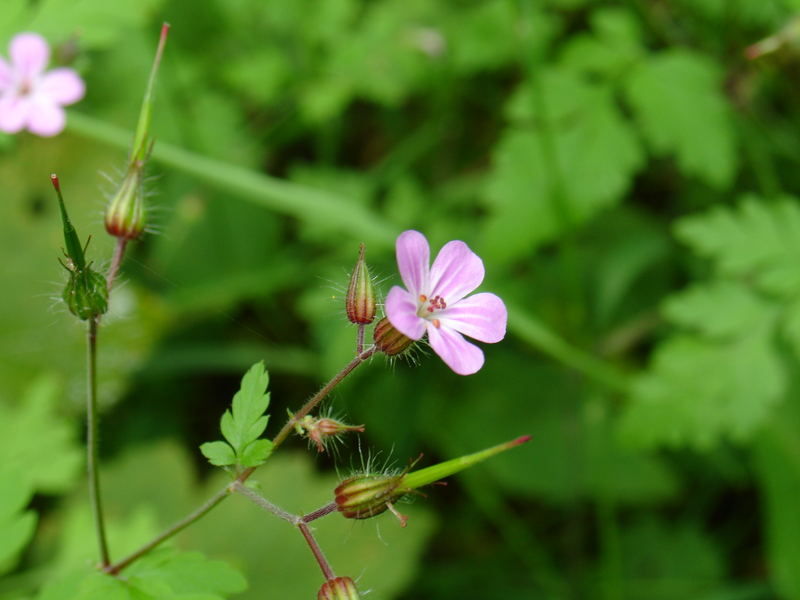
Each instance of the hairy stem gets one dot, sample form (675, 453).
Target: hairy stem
(244, 475)
(360, 338)
(319, 513)
(268, 506)
(116, 262)
(320, 395)
(171, 531)
(316, 550)
(91, 442)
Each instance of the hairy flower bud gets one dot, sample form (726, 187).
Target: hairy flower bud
(125, 215)
(360, 300)
(338, 588)
(322, 429)
(367, 495)
(388, 340)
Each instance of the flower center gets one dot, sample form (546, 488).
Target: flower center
(429, 307)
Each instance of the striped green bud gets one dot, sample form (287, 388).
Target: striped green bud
(360, 299)
(388, 340)
(338, 588)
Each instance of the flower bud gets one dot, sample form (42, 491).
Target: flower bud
(365, 496)
(320, 430)
(388, 340)
(339, 588)
(86, 293)
(360, 300)
(125, 215)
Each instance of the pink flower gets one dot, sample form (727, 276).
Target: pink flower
(435, 300)
(30, 98)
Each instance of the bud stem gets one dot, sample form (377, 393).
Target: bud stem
(238, 487)
(319, 396)
(91, 442)
(360, 338)
(316, 550)
(116, 262)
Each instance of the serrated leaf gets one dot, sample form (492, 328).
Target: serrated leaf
(697, 391)
(167, 574)
(34, 435)
(756, 239)
(256, 453)
(244, 423)
(16, 524)
(677, 98)
(218, 454)
(718, 309)
(595, 152)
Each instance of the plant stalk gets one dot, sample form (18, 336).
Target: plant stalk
(91, 442)
(316, 550)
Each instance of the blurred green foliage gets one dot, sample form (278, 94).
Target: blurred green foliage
(630, 180)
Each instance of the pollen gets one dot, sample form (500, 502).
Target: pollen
(436, 323)
(423, 298)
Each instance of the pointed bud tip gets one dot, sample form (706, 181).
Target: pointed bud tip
(521, 440)
(55, 182)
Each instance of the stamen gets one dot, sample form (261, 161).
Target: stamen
(436, 323)
(423, 298)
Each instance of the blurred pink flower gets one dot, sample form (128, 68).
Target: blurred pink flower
(434, 301)
(31, 98)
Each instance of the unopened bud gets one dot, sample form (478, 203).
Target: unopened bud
(86, 292)
(320, 430)
(125, 215)
(360, 301)
(388, 339)
(338, 588)
(367, 495)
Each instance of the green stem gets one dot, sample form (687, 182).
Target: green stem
(312, 205)
(262, 502)
(91, 442)
(244, 475)
(535, 333)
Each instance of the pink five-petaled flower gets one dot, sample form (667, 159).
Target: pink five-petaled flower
(434, 300)
(30, 98)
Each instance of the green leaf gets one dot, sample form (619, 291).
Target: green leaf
(534, 194)
(33, 434)
(166, 574)
(698, 390)
(777, 454)
(16, 524)
(678, 100)
(613, 48)
(256, 453)
(218, 454)
(759, 240)
(244, 423)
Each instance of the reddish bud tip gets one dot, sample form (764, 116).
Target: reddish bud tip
(521, 440)
(55, 182)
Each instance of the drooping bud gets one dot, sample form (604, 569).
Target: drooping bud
(86, 292)
(360, 300)
(388, 340)
(125, 215)
(338, 588)
(321, 430)
(368, 495)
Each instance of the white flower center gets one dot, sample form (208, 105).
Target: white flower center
(429, 307)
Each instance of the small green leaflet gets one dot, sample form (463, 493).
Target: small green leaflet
(16, 524)
(243, 423)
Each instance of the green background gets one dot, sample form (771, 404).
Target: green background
(625, 172)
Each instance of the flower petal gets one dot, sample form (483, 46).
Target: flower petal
(14, 111)
(29, 54)
(45, 117)
(6, 75)
(413, 260)
(481, 316)
(64, 86)
(457, 353)
(401, 310)
(456, 271)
